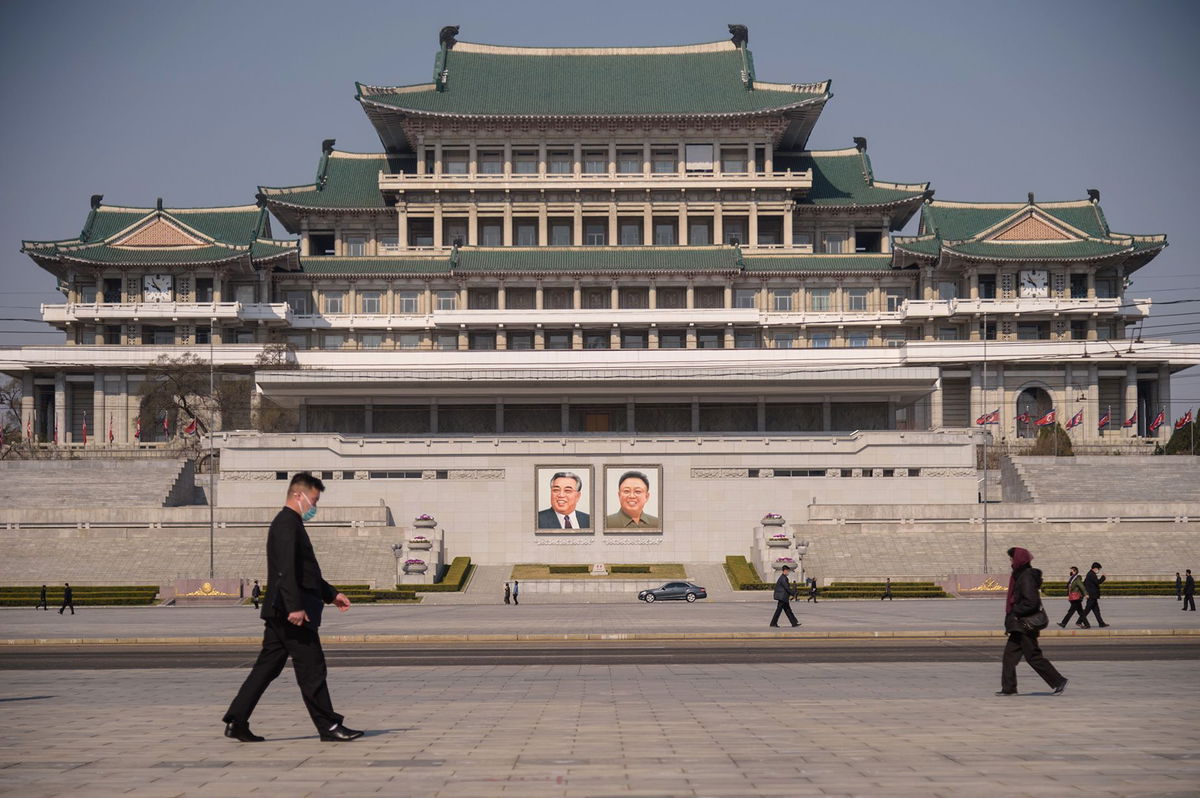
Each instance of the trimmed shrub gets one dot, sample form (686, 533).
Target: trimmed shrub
(743, 576)
(1182, 440)
(629, 569)
(1052, 440)
(1058, 589)
(456, 576)
(568, 569)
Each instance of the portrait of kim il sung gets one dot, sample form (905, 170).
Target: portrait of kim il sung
(633, 498)
(563, 498)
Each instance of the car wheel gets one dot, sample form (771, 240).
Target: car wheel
(691, 597)
(649, 598)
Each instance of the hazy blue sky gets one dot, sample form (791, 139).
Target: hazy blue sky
(201, 102)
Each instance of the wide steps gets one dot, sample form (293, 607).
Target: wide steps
(34, 484)
(1111, 479)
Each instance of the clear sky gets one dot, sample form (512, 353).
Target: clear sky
(201, 102)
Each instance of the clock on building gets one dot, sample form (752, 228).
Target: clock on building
(156, 288)
(1034, 283)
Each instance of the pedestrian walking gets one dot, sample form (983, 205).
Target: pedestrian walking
(41, 605)
(1178, 587)
(516, 591)
(68, 599)
(256, 594)
(291, 611)
(812, 590)
(1189, 592)
(887, 590)
(507, 594)
(1075, 596)
(783, 597)
(1091, 586)
(1023, 619)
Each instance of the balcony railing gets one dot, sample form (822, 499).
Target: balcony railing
(278, 313)
(944, 308)
(786, 179)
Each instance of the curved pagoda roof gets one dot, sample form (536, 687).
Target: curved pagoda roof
(473, 81)
(119, 236)
(844, 179)
(1026, 232)
(345, 181)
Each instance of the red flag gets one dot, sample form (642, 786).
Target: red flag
(1076, 420)
(1047, 419)
(137, 430)
(1129, 422)
(190, 429)
(989, 418)
(1105, 419)
(1025, 418)
(1184, 420)
(85, 429)
(110, 430)
(1158, 420)
(56, 431)
(166, 425)
(29, 429)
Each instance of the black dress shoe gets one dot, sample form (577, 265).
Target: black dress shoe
(1105, 625)
(340, 734)
(795, 624)
(1006, 692)
(1062, 687)
(241, 732)
(773, 625)
(1061, 626)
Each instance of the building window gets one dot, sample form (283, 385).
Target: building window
(454, 232)
(321, 243)
(664, 233)
(333, 341)
(781, 300)
(597, 298)
(629, 162)
(595, 234)
(821, 340)
(112, 334)
(710, 297)
(733, 160)
(371, 341)
(516, 298)
(561, 232)
(560, 162)
(947, 290)
(595, 162)
(355, 246)
(896, 297)
(820, 299)
(87, 295)
(634, 298)
(520, 339)
(1078, 330)
(1106, 288)
(491, 233)
(388, 243)
(665, 162)
(481, 340)
(802, 240)
(408, 340)
(420, 232)
(699, 157)
(735, 231)
(447, 342)
(672, 339)
(204, 289)
(295, 341)
(858, 339)
(491, 163)
(699, 232)
(408, 302)
(298, 301)
(558, 339)
(633, 339)
(629, 233)
(447, 300)
(947, 333)
(893, 338)
(856, 299)
(710, 339)
(454, 162)
(526, 233)
(745, 297)
(1029, 332)
(370, 301)
(987, 286)
(481, 298)
(868, 241)
(335, 301)
(745, 339)
(596, 340)
(770, 231)
(525, 163)
(833, 243)
(783, 339)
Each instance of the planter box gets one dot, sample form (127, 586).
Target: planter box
(779, 565)
(420, 544)
(430, 524)
(779, 542)
(415, 569)
(774, 521)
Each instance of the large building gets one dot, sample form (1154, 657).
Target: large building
(608, 259)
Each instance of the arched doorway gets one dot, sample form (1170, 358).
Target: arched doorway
(1032, 404)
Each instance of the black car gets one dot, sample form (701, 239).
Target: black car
(673, 591)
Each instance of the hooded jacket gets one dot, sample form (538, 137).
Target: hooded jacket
(1024, 585)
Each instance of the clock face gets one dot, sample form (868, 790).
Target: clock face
(157, 287)
(1034, 283)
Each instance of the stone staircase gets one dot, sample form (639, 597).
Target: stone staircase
(1109, 479)
(96, 483)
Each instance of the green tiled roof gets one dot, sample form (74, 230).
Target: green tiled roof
(372, 265)
(600, 259)
(483, 80)
(236, 225)
(844, 177)
(955, 221)
(344, 180)
(817, 263)
(149, 256)
(1049, 250)
(929, 245)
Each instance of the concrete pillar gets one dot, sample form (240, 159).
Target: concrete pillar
(1129, 401)
(473, 224)
(577, 217)
(97, 428)
(437, 158)
(1091, 412)
(718, 224)
(577, 159)
(124, 432)
(507, 225)
(27, 402)
(60, 427)
(401, 226)
(539, 296)
(543, 226)
(935, 405)
(1164, 402)
(789, 213)
(683, 222)
(976, 405)
(647, 224)
(613, 238)
(752, 234)
(691, 294)
(437, 225)
(826, 414)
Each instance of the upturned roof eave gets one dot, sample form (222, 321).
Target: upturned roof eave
(397, 109)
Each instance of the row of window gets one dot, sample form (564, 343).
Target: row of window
(596, 232)
(781, 300)
(695, 159)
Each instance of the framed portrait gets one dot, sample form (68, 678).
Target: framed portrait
(633, 499)
(563, 498)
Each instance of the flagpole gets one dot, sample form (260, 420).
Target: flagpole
(985, 451)
(212, 488)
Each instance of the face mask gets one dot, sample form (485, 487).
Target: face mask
(311, 512)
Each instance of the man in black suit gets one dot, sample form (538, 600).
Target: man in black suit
(1189, 592)
(783, 597)
(566, 488)
(1091, 586)
(296, 594)
(68, 599)
(41, 605)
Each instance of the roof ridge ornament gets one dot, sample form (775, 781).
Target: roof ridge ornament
(158, 206)
(1093, 194)
(327, 146)
(1031, 202)
(740, 35)
(96, 200)
(446, 37)
(860, 143)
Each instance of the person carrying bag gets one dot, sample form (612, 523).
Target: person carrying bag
(1024, 618)
(1075, 596)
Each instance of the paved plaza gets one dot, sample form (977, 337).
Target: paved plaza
(1122, 729)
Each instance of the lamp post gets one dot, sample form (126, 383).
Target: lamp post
(801, 550)
(398, 553)
(212, 469)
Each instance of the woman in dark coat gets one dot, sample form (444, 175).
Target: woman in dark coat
(1022, 601)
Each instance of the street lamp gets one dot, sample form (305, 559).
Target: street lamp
(801, 550)
(398, 553)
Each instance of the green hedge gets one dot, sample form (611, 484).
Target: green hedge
(629, 569)
(569, 569)
(91, 601)
(876, 589)
(456, 576)
(82, 596)
(742, 575)
(1133, 588)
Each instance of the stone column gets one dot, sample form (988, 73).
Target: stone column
(577, 215)
(1091, 411)
(935, 405)
(789, 213)
(1164, 402)
(473, 224)
(691, 294)
(976, 404)
(437, 225)
(472, 159)
(507, 233)
(1129, 401)
(718, 224)
(683, 221)
(401, 226)
(539, 296)
(97, 428)
(613, 238)
(577, 157)
(60, 408)
(752, 233)
(125, 434)
(543, 226)
(27, 405)
(647, 223)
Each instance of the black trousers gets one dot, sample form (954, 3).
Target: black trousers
(1025, 645)
(281, 640)
(783, 607)
(1189, 599)
(1093, 606)
(1076, 608)
(65, 605)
